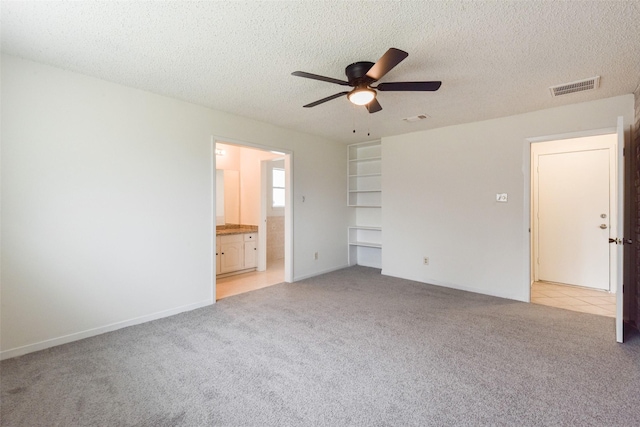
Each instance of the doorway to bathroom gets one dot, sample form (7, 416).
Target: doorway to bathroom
(253, 223)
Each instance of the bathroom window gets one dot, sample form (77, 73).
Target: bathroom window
(278, 188)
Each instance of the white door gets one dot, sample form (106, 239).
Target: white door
(617, 250)
(574, 218)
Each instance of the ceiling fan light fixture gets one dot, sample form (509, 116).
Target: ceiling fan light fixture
(361, 95)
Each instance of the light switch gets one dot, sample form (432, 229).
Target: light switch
(502, 197)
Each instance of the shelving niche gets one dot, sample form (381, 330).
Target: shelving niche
(364, 195)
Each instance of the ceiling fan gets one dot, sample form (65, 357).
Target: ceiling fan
(361, 75)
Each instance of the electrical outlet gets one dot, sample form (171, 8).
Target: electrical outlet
(425, 261)
(315, 256)
(502, 197)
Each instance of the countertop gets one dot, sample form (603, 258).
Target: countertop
(223, 230)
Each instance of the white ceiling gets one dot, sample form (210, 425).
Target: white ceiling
(494, 58)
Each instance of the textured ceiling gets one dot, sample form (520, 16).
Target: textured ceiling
(494, 58)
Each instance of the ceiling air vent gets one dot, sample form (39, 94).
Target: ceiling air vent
(579, 86)
(416, 118)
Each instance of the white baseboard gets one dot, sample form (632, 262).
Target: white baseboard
(30, 348)
(329, 270)
(459, 287)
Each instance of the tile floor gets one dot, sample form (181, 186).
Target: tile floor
(574, 298)
(241, 283)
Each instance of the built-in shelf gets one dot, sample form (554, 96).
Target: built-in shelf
(365, 236)
(364, 190)
(364, 175)
(366, 159)
(366, 244)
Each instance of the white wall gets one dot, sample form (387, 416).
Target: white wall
(250, 184)
(247, 161)
(439, 190)
(107, 204)
(231, 158)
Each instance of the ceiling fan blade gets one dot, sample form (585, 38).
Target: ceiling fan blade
(409, 86)
(374, 106)
(328, 98)
(390, 59)
(321, 78)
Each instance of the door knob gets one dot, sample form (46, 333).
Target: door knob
(603, 226)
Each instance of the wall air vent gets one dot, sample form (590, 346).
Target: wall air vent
(416, 118)
(579, 86)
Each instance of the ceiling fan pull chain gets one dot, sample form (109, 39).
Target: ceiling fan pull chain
(353, 117)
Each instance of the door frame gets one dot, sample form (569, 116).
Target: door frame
(572, 145)
(264, 207)
(288, 210)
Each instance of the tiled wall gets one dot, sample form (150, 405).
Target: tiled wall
(275, 238)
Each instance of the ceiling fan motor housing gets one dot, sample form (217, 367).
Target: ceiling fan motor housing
(357, 73)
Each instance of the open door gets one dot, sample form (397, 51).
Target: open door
(618, 238)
